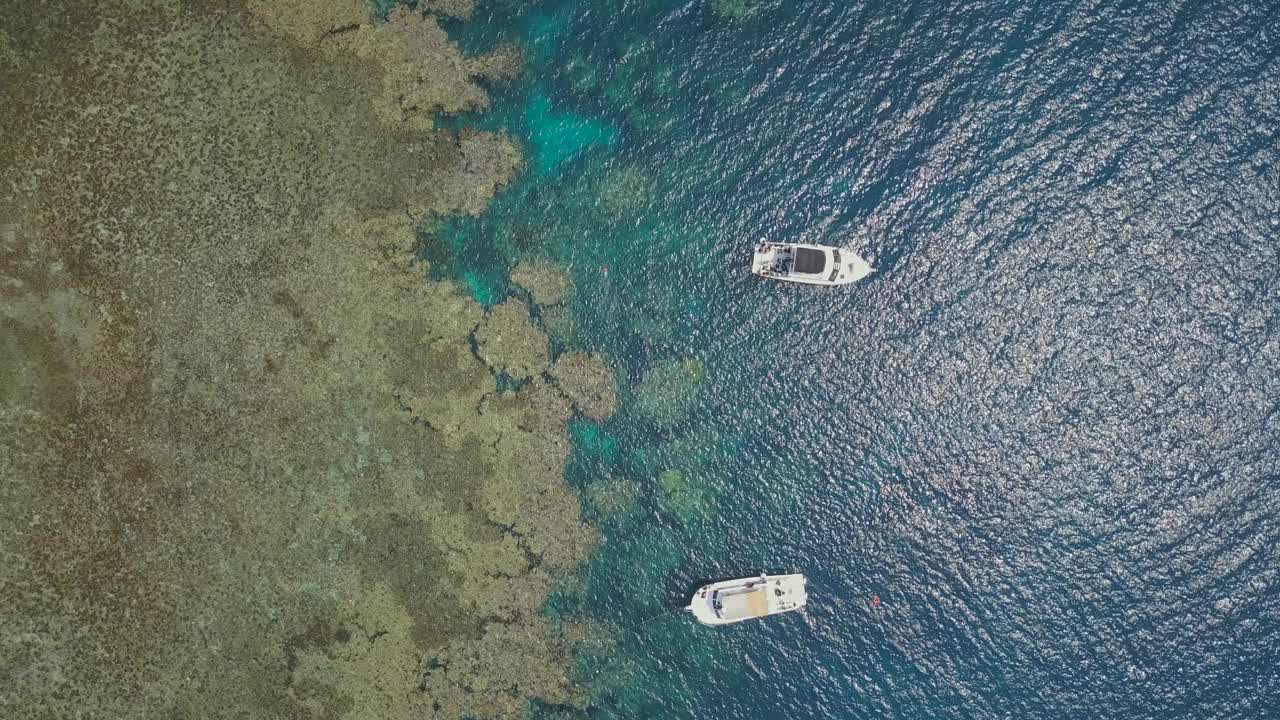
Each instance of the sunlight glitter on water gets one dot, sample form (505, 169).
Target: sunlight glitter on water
(1041, 434)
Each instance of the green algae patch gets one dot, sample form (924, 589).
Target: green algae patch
(668, 392)
(253, 466)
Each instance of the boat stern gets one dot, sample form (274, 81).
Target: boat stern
(763, 258)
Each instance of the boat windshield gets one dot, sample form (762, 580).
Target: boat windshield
(810, 261)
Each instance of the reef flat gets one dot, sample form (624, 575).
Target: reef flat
(252, 463)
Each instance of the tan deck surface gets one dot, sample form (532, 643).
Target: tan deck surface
(746, 605)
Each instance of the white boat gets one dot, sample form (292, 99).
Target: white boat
(731, 601)
(809, 264)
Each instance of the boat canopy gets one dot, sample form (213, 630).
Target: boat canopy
(808, 260)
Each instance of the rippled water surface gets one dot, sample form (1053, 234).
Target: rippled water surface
(1043, 434)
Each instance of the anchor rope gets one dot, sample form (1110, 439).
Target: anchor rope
(659, 616)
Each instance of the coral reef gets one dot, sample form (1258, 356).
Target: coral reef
(735, 10)
(8, 57)
(546, 283)
(559, 324)
(587, 380)
(508, 343)
(252, 465)
(610, 497)
(668, 392)
(503, 63)
(492, 676)
(682, 498)
(689, 472)
(423, 72)
(309, 22)
(624, 191)
(460, 9)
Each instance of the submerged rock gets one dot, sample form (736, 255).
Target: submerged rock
(689, 472)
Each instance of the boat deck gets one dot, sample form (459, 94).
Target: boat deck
(743, 605)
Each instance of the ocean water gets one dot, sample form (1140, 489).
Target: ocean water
(1044, 435)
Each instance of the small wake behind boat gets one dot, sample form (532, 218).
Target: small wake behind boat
(731, 601)
(809, 264)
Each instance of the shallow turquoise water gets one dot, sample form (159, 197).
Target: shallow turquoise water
(1044, 434)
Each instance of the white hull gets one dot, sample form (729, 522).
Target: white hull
(809, 264)
(731, 601)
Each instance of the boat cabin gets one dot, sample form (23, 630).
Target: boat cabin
(810, 261)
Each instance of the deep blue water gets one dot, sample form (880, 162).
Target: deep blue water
(1044, 433)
